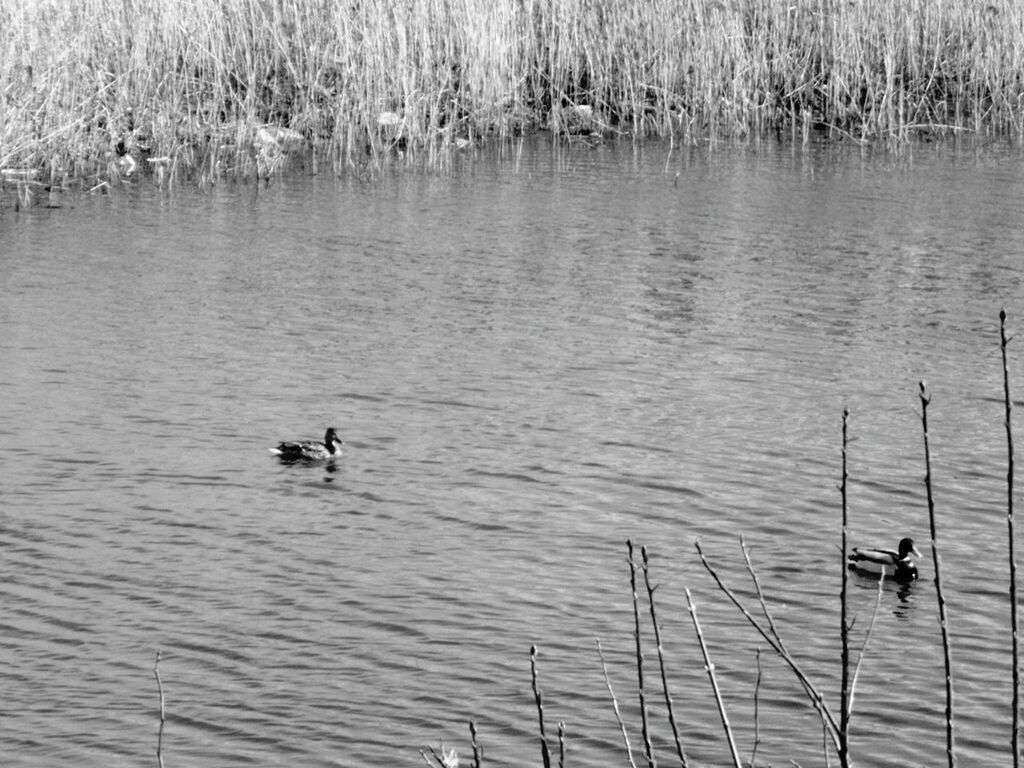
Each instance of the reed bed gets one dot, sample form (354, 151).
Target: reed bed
(102, 89)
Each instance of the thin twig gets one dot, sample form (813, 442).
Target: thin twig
(943, 621)
(545, 753)
(1015, 732)
(714, 683)
(828, 720)
(163, 718)
(477, 752)
(781, 647)
(615, 706)
(561, 744)
(648, 749)
(845, 703)
(426, 759)
(760, 594)
(757, 722)
(864, 647)
(661, 659)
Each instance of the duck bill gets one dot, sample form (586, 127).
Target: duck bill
(915, 553)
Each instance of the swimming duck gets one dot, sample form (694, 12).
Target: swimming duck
(898, 565)
(330, 448)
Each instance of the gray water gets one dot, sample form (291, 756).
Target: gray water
(533, 354)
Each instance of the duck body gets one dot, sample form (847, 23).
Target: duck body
(897, 564)
(330, 448)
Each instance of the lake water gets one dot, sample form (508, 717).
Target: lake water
(533, 354)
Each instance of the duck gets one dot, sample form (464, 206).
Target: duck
(330, 448)
(899, 565)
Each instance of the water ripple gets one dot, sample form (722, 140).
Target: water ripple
(528, 368)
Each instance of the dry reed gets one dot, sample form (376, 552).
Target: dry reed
(100, 90)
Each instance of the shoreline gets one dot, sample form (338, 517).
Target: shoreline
(94, 93)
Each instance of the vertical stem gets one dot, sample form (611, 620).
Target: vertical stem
(714, 683)
(163, 718)
(757, 723)
(473, 741)
(867, 637)
(844, 627)
(1015, 733)
(943, 621)
(648, 749)
(545, 753)
(661, 660)
(615, 706)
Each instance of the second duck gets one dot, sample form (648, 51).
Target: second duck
(898, 565)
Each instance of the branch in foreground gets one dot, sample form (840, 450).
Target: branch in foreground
(477, 752)
(163, 718)
(845, 692)
(648, 749)
(545, 752)
(615, 706)
(714, 682)
(661, 659)
(828, 721)
(757, 726)
(943, 621)
(860, 656)
(1015, 705)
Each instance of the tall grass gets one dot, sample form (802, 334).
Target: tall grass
(86, 83)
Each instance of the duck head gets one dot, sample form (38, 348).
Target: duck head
(331, 440)
(907, 548)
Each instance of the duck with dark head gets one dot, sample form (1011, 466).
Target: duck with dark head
(329, 449)
(898, 565)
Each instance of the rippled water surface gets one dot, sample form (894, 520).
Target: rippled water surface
(533, 355)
